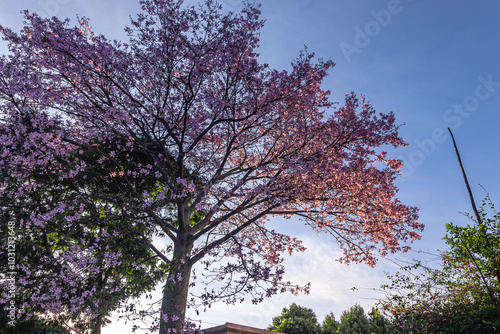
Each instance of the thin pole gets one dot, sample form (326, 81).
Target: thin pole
(479, 221)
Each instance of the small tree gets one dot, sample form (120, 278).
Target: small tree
(379, 324)
(79, 266)
(354, 321)
(296, 320)
(475, 250)
(329, 325)
(461, 296)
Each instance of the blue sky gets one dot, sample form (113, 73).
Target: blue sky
(434, 63)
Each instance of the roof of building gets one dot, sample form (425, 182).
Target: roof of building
(230, 328)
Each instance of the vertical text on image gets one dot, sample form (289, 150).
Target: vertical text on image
(11, 272)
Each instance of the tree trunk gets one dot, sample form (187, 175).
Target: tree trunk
(97, 325)
(175, 291)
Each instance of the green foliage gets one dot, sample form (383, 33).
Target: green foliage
(475, 250)
(103, 226)
(462, 295)
(378, 322)
(296, 320)
(32, 326)
(354, 321)
(330, 325)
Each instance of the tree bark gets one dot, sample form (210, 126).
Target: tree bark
(175, 291)
(97, 326)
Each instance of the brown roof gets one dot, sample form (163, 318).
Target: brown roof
(230, 328)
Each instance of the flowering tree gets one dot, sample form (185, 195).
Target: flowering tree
(74, 268)
(183, 140)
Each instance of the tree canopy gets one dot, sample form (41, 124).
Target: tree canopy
(301, 320)
(353, 321)
(296, 320)
(174, 148)
(329, 325)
